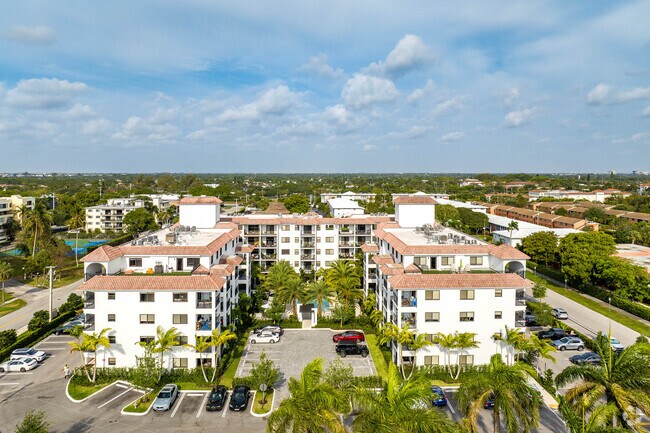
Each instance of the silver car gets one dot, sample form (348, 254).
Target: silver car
(166, 398)
(560, 313)
(571, 343)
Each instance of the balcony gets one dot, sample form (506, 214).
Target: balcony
(345, 230)
(253, 232)
(363, 232)
(520, 298)
(203, 322)
(89, 300)
(409, 319)
(307, 245)
(346, 244)
(269, 232)
(307, 257)
(409, 299)
(269, 244)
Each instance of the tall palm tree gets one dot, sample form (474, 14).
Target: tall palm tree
(401, 337)
(446, 343)
(218, 339)
(401, 407)
(597, 420)
(513, 340)
(349, 290)
(81, 346)
(77, 218)
(341, 269)
(6, 272)
(95, 341)
(313, 405)
(292, 291)
(319, 291)
(622, 379)
(165, 341)
(202, 345)
(20, 213)
(419, 342)
(38, 222)
(512, 226)
(507, 386)
(464, 341)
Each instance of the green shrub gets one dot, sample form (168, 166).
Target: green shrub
(73, 303)
(8, 337)
(39, 320)
(368, 381)
(246, 380)
(28, 338)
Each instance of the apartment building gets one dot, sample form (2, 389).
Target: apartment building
(597, 195)
(434, 279)
(350, 195)
(107, 216)
(343, 207)
(470, 182)
(188, 276)
(8, 207)
(537, 217)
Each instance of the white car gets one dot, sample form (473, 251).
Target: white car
(616, 345)
(22, 364)
(264, 337)
(28, 352)
(560, 313)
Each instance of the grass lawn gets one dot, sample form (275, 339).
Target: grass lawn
(142, 407)
(227, 377)
(188, 386)
(79, 392)
(8, 296)
(67, 274)
(377, 357)
(12, 306)
(593, 305)
(260, 408)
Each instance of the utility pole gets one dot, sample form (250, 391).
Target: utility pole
(51, 268)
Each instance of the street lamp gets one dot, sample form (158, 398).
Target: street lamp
(565, 281)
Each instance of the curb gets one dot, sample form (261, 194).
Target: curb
(67, 394)
(123, 412)
(261, 415)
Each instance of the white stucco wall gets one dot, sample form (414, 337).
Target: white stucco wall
(414, 215)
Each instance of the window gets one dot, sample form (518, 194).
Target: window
(329, 227)
(146, 297)
(466, 294)
(466, 316)
(498, 314)
(446, 261)
(296, 264)
(329, 239)
(147, 318)
(111, 361)
(476, 260)
(498, 293)
(193, 262)
(329, 251)
(135, 263)
(297, 227)
(180, 297)
(111, 339)
(432, 295)
(182, 340)
(318, 251)
(328, 263)
(111, 317)
(296, 252)
(431, 360)
(431, 317)
(296, 240)
(285, 252)
(179, 319)
(146, 339)
(466, 359)
(421, 261)
(286, 228)
(429, 338)
(318, 239)
(111, 296)
(179, 362)
(285, 240)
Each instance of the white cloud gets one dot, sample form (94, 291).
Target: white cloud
(338, 114)
(369, 147)
(136, 129)
(452, 136)
(420, 93)
(273, 102)
(646, 111)
(519, 118)
(363, 90)
(36, 35)
(633, 94)
(634, 138)
(43, 93)
(95, 127)
(598, 94)
(318, 65)
(511, 96)
(417, 131)
(452, 104)
(409, 54)
(79, 111)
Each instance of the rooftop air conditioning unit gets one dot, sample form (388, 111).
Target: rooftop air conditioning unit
(170, 238)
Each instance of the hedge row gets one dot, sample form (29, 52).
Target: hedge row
(599, 293)
(360, 322)
(28, 338)
(361, 381)
(115, 242)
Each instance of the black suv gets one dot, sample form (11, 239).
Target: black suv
(552, 334)
(345, 348)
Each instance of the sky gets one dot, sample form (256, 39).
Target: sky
(336, 86)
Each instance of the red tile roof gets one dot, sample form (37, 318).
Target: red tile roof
(382, 259)
(391, 269)
(199, 200)
(412, 269)
(105, 253)
(244, 248)
(153, 282)
(370, 248)
(414, 199)
(201, 270)
(458, 281)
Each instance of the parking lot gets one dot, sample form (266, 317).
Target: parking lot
(296, 349)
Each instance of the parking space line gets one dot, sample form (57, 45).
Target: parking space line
(178, 405)
(114, 398)
(122, 386)
(198, 414)
(9, 384)
(225, 405)
(451, 407)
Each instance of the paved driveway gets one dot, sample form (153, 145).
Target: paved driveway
(296, 349)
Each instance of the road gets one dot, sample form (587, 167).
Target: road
(37, 299)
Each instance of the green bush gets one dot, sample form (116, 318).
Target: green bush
(8, 337)
(362, 322)
(73, 303)
(368, 381)
(246, 380)
(28, 338)
(39, 320)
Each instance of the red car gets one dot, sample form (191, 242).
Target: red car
(355, 336)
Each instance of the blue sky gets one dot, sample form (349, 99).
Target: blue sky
(338, 86)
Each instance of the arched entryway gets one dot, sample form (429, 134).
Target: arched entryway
(95, 269)
(517, 268)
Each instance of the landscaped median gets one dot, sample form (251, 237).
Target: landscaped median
(257, 408)
(377, 356)
(11, 306)
(142, 405)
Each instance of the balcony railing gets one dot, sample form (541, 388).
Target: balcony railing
(253, 232)
(307, 245)
(203, 323)
(269, 232)
(307, 257)
(89, 304)
(204, 304)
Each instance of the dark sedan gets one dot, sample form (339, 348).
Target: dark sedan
(217, 398)
(439, 398)
(355, 336)
(489, 403)
(586, 358)
(239, 398)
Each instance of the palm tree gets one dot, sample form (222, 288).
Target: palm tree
(20, 213)
(202, 345)
(507, 386)
(278, 275)
(349, 290)
(218, 339)
(512, 226)
(38, 221)
(622, 379)
(6, 272)
(319, 291)
(341, 269)
(292, 291)
(77, 218)
(313, 405)
(391, 333)
(446, 343)
(81, 346)
(95, 341)
(165, 341)
(598, 420)
(514, 340)
(401, 407)
(419, 341)
(464, 341)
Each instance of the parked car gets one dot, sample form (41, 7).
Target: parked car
(552, 334)
(530, 319)
(273, 329)
(616, 345)
(266, 337)
(166, 398)
(22, 364)
(239, 398)
(586, 358)
(346, 348)
(68, 327)
(560, 313)
(28, 352)
(489, 403)
(355, 336)
(217, 398)
(439, 398)
(571, 343)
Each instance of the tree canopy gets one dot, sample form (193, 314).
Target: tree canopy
(139, 220)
